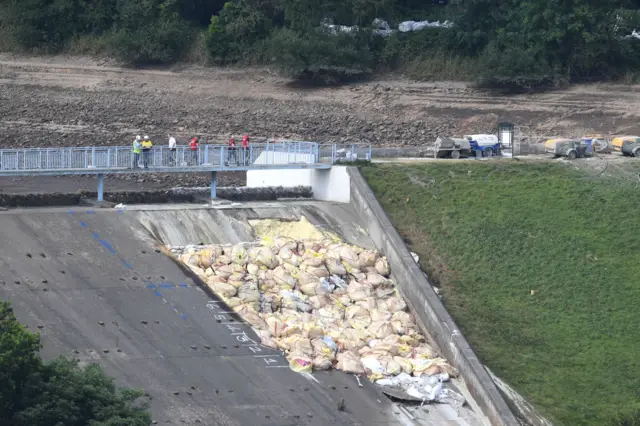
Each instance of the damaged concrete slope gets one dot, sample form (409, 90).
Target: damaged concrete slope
(97, 287)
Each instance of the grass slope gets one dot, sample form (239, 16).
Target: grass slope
(540, 267)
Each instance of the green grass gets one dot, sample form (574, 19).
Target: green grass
(489, 235)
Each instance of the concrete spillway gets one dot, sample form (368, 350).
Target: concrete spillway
(96, 286)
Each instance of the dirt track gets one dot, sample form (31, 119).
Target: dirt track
(76, 101)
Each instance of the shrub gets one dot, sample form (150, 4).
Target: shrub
(321, 56)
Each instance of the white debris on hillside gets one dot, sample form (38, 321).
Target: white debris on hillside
(324, 303)
(382, 27)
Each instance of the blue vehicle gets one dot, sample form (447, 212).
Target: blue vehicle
(484, 145)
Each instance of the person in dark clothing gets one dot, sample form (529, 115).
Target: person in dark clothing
(231, 151)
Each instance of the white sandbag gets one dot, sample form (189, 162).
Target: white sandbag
(322, 348)
(265, 257)
(349, 363)
(285, 242)
(382, 266)
(302, 347)
(378, 315)
(283, 277)
(405, 364)
(357, 317)
(376, 280)
(289, 256)
(253, 269)
(224, 271)
(349, 258)
(334, 266)
(319, 271)
(266, 339)
(390, 367)
(223, 289)
(392, 304)
(380, 329)
(248, 292)
(305, 277)
(308, 289)
(321, 363)
(223, 260)
(367, 258)
(313, 258)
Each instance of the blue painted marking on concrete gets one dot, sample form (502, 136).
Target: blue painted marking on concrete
(108, 246)
(90, 212)
(148, 283)
(120, 211)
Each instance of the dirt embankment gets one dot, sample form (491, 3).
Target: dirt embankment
(71, 102)
(76, 101)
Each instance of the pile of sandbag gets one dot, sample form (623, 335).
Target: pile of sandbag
(324, 303)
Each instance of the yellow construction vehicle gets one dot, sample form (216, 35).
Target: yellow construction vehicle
(626, 145)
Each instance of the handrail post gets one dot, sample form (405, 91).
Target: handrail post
(116, 155)
(24, 159)
(206, 154)
(93, 156)
(108, 158)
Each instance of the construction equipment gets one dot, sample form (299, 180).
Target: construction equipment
(455, 148)
(627, 145)
(570, 148)
(484, 145)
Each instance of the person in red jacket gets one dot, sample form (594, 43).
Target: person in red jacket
(245, 149)
(193, 147)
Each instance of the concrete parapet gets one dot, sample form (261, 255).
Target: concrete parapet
(426, 305)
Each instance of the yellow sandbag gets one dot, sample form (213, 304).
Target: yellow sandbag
(301, 365)
(313, 259)
(357, 317)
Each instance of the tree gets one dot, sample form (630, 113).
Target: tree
(57, 393)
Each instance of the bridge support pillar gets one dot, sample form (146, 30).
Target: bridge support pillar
(213, 185)
(100, 187)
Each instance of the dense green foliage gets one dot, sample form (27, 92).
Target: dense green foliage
(538, 269)
(33, 392)
(523, 43)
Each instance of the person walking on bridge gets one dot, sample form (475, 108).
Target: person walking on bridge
(245, 149)
(194, 147)
(137, 149)
(172, 151)
(146, 150)
(231, 151)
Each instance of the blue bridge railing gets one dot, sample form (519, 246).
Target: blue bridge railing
(207, 157)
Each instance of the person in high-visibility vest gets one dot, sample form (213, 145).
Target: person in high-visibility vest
(146, 149)
(137, 149)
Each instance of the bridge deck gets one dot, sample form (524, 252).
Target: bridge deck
(207, 158)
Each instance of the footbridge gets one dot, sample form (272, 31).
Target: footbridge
(101, 161)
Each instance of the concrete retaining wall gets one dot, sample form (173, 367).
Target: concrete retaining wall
(426, 305)
(326, 184)
(175, 195)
